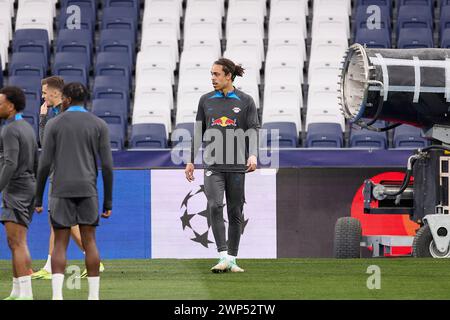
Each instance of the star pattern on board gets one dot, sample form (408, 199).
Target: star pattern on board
(202, 239)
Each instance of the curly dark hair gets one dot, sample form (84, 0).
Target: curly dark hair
(77, 92)
(16, 96)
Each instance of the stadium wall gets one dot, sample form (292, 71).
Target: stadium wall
(289, 212)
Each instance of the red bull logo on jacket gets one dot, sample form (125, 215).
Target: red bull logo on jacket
(223, 122)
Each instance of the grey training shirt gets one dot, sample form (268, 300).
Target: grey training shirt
(18, 154)
(73, 141)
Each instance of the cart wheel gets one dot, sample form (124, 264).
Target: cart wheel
(424, 246)
(347, 238)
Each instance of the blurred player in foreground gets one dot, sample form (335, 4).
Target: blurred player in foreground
(52, 95)
(19, 158)
(72, 142)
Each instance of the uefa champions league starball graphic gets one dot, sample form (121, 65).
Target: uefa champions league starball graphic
(195, 219)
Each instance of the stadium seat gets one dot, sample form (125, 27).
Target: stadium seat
(406, 136)
(135, 4)
(331, 19)
(116, 136)
(31, 40)
(27, 63)
(364, 138)
(76, 61)
(119, 18)
(86, 22)
(375, 38)
(283, 72)
(82, 35)
(111, 116)
(444, 19)
(194, 23)
(148, 136)
(362, 15)
(288, 15)
(328, 48)
(414, 16)
(101, 81)
(77, 46)
(445, 39)
(198, 43)
(88, 8)
(250, 27)
(428, 3)
(282, 114)
(284, 133)
(152, 111)
(243, 44)
(115, 106)
(324, 135)
(323, 106)
(377, 2)
(251, 89)
(410, 38)
(125, 46)
(117, 34)
(30, 84)
(186, 115)
(324, 72)
(35, 16)
(113, 58)
(284, 44)
(160, 96)
(319, 4)
(158, 49)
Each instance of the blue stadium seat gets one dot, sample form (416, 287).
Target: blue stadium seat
(77, 46)
(135, 4)
(87, 21)
(376, 2)
(125, 46)
(72, 73)
(114, 105)
(33, 120)
(324, 135)
(364, 138)
(445, 39)
(31, 85)
(415, 38)
(116, 136)
(428, 3)
(406, 136)
(115, 59)
(444, 19)
(361, 17)
(75, 35)
(27, 63)
(31, 40)
(120, 18)
(414, 17)
(148, 135)
(104, 89)
(31, 34)
(111, 81)
(375, 38)
(71, 58)
(287, 134)
(117, 34)
(111, 114)
(32, 106)
(85, 6)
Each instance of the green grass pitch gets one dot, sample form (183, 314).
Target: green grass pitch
(279, 279)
